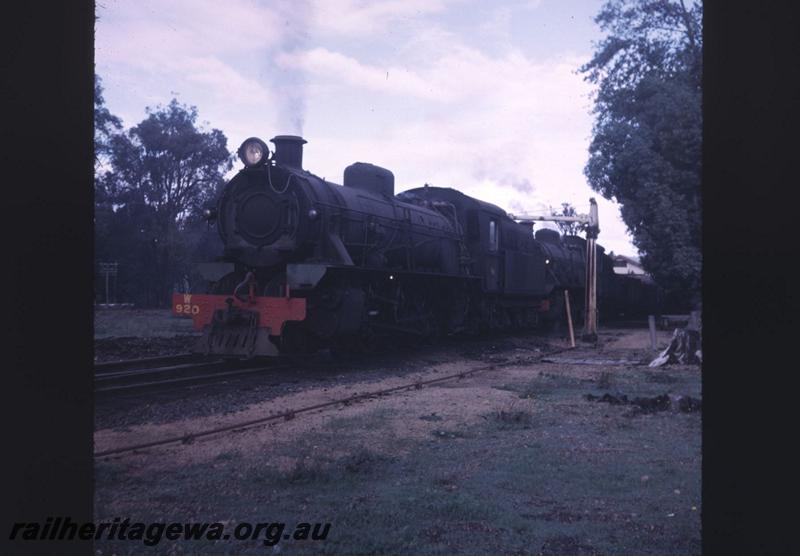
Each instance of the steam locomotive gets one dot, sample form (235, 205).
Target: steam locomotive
(309, 264)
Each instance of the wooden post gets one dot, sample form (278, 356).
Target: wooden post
(569, 319)
(651, 322)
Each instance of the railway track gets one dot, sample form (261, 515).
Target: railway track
(292, 413)
(144, 362)
(180, 371)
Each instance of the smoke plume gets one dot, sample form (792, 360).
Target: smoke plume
(506, 179)
(291, 82)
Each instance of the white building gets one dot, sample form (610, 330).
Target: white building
(627, 265)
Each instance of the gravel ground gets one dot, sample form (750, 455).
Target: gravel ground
(116, 349)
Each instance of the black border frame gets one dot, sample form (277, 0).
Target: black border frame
(750, 93)
(47, 229)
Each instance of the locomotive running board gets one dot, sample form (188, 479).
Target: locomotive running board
(304, 276)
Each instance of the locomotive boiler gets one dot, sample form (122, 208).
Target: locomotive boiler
(308, 263)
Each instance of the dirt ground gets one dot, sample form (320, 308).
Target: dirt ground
(578, 455)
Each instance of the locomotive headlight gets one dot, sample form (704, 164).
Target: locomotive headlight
(253, 152)
(547, 261)
(312, 214)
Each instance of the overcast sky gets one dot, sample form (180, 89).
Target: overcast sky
(479, 96)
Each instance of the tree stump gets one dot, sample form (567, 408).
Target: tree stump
(684, 349)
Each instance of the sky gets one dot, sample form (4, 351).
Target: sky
(480, 96)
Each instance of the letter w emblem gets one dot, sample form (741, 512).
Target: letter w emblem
(187, 298)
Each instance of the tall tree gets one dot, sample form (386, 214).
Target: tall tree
(106, 125)
(168, 163)
(164, 170)
(646, 149)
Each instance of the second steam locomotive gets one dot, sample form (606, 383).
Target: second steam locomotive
(309, 264)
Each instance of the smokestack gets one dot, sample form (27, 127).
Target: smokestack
(289, 150)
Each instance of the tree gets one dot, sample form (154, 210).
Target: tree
(647, 137)
(567, 228)
(164, 170)
(169, 164)
(106, 125)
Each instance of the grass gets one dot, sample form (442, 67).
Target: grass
(605, 380)
(510, 491)
(505, 487)
(449, 434)
(511, 417)
(545, 385)
(431, 417)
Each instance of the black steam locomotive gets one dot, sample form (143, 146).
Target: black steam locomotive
(310, 264)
